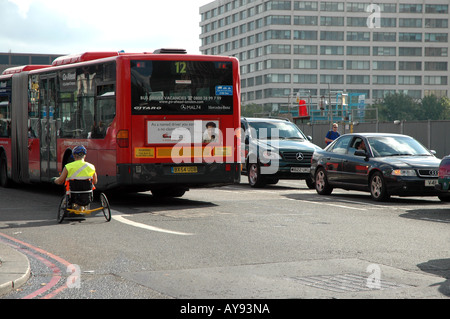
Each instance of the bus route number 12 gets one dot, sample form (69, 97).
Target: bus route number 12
(180, 67)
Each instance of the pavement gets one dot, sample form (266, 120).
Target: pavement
(14, 269)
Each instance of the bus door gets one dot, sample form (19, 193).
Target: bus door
(47, 117)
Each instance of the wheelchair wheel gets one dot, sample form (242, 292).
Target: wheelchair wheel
(105, 205)
(62, 208)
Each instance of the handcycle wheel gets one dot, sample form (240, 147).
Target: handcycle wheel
(105, 207)
(62, 209)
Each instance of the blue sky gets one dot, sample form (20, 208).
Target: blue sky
(66, 27)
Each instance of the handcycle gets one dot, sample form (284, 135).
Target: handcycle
(79, 201)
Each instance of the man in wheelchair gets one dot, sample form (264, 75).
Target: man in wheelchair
(79, 177)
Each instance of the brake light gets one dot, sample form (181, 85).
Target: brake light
(122, 138)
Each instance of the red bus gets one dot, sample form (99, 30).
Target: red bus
(164, 121)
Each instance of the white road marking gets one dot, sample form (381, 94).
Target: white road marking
(121, 219)
(327, 204)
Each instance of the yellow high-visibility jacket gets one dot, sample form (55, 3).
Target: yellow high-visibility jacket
(80, 170)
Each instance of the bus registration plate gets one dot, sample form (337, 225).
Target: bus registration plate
(184, 169)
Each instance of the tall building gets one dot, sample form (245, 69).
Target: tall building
(318, 47)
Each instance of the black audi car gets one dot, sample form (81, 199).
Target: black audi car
(382, 164)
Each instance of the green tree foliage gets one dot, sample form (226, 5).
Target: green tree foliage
(251, 110)
(400, 106)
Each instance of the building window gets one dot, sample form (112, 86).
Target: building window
(436, 37)
(277, 34)
(278, 64)
(358, 65)
(351, 50)
(436, 66)
(407, 51)
(278, 20)
(332, 6)
(436, 8)
(381, 94)
(436, 51)
(356, 7)
(384, 51)
(358, 36)
(305, 20)
(384, 79)
(409, 37)
(436, 23)
(305, 49)
(332, 21)
(388, 22)
(305, 64)
(388, 7)
(410, 8)
(276, 93)
(331, 64)
(357, 22)
(4, 59)
(358, 79)
(20, 59)
(409, 66)
(385, 36)
(331, 79)
(305, 35)
(410, 23)
(331, 50)
(435, 80)
(409, 80)
(384, 65)
(332, 35)
(277, 78)
(277, 49)
(306, 5)
(305, 78)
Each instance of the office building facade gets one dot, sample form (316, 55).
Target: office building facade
(318, 47)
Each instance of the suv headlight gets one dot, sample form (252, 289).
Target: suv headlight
(403, 172)
(271, 155)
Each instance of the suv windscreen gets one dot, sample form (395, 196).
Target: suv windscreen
(275, 130)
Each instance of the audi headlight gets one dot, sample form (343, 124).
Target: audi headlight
(404, 172)
(271, 155)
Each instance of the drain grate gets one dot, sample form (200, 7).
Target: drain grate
(345, 283)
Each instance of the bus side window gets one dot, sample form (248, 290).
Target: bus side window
(104, 115)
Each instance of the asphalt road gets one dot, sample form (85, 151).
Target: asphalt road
(233, 242)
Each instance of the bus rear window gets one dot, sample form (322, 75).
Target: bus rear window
(181, 87)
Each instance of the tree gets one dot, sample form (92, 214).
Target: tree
(431, 108)
(397, 106)
(445, 102)
(250, 110)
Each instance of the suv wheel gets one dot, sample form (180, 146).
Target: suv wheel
(255, 179)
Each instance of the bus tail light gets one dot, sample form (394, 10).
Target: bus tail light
(122, 138)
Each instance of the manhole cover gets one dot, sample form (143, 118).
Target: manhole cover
(346, 283)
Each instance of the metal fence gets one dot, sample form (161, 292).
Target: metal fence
(435, 135)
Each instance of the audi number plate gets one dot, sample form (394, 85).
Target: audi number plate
(431, 182)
